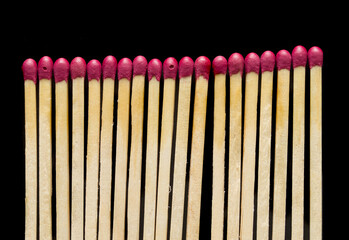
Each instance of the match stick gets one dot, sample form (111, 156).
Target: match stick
(299, 61)
(77, 72)
(121, 159)
(109, 70)
(202, 71)
(45, 147)
(154, 74)
(266, 104)
(219, 65)
(315, 57)
(283, 62)
(185, 71)
(235, 66)
(29, 68)
(170, 72)
(61, 73)
(135, 168)
(92, 157)
(252, 64)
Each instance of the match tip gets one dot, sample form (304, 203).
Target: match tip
(267, 61)
(299, 56)
(170, 68)
(154, 69)
(186, 67)
(139, 66)
(77, 68)
(315, 56)
(125, 68)
(94, 70)
(283, 60)
(61, 70)
(45, 66)
(29, 69)
(252, 63)
(109, 67)
(235, 63)
(202, 67)
(219, 65)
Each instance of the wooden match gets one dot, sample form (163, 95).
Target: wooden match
(29, 68)
(106, 143)
(61, 74)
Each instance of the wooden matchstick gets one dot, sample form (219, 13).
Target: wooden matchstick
(45, 147)
(315, 57)
(154, 74)
(185, 71)
(109, 70)
(29, 68)
(252, 63)
(283, 62)
(121, 158)
(170, 72)
(61, 73)
(92, 157)
(299, 60)
(202, 71)
(135, 168)
(235, 66)
(77, 72)
(219, 65)
(266, 102)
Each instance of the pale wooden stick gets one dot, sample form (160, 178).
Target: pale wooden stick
(154, 73)
(45, 147)
(219, 67)
(29, 74)
(123, 110)
(252, 63)
(61, 73)
(135, 168)
(266, 100)
(283, 61)
(92, 158)
(235, 64)
(315, 56)
(105, 175)
(170, 72)
(181, 150)
(202, 69)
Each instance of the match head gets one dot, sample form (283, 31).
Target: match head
(219, 65)
(315, 56)
(252, 63)
(77, 67)
(235, 64)
(202, 67)
(299, 56)
(170, 68)
(154, 69)
(61, 70)
(29, 69)
(283, 60)
(267, 61)
(186, 67)
(125, 69)
(139, 66)
(109, 67)
(45, 66)
(94, 70)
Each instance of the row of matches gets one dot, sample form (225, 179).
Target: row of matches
(87, 215)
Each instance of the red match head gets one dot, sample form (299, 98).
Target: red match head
(139, 66)
(125, 69)
(235, 63)
(283, 60)
(45, 66)
(170, 68)
(299, 56)
(29, 69)
(267, 61)
(154, 69)
(252, 63)
(219, 65)
(61, 70)
(186, 67)
(315, 56)
(202, 67)
(94, 70)
(109, 67)
(77, 68)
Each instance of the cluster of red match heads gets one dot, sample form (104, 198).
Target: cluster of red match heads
(125, 67)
